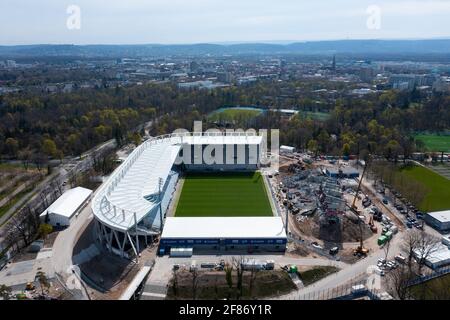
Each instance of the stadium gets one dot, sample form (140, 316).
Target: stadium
(225, 204)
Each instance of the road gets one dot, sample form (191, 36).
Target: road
(346, 275)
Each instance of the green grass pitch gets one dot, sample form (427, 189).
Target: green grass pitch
(437, 198)
(223, 195)
(435, 142)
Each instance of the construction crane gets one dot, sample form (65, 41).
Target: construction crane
(360, 250)
(353, 207)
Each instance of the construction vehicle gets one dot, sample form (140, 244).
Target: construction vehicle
(373, 228)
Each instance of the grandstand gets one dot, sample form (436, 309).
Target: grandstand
(129, 208)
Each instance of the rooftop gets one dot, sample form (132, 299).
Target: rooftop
(442, 216)
(68, 202)
(224, 227)
(131, 191)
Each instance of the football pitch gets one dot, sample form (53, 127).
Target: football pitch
(223, 195)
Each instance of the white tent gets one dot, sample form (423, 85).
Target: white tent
(66, 206)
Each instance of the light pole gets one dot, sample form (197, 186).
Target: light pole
(160, 182)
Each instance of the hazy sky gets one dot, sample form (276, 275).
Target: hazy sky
(194, 21)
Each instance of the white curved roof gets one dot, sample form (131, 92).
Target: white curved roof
(131, 192)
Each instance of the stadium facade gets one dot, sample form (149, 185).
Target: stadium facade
(129, 208)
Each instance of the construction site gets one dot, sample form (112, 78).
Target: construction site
(327, 209)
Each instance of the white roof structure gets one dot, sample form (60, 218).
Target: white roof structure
(68, 203)
(224, 227)
(439, 257)
(132, 191)
(442, 216)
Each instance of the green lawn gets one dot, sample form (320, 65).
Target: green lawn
(435, 289)
(434, 142)
(223, 194)
(319, 116)
(234, 114)
(438, 196)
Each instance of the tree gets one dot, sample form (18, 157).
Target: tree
(49, 147)
(237, 264)
(44, 230)
(175, 283)
(313, 146)
(426, 246)
(25, 157)
(398, 281)
(5, 292)
(194, 273)
(229, 277)
(12, 145)
(43, 281)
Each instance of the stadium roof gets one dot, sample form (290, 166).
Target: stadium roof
(132, 189)
(224, 227)
(442, 216)
(68, 203)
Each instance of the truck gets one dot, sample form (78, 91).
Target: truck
(394, 229)
(181, 252)
(388, 235)
(252, 264)
(382, 240)
(400, 258)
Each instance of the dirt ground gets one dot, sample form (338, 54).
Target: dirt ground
(213, 284)
(113, 274)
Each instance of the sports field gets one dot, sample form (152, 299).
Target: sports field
(222, 195)
(437, 198)
(434, 142)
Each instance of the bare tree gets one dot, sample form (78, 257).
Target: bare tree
(252, 279)
(237, 263)
(194, 273)
(426, 246)
(229, 277)
(386, 248)
(398, 281)
(175, 283)
(410, 244)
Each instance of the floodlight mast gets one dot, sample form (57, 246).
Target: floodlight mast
(160, 182)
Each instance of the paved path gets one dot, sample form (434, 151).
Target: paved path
(346, 274)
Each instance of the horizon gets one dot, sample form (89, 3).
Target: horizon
(228, 43)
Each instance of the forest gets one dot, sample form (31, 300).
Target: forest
(37, 126)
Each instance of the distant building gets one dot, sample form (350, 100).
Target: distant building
(442, 84)
(66, 207)
(439, 220)
(224, 77)
(287, 150)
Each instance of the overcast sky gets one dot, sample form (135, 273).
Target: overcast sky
(195, 21)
